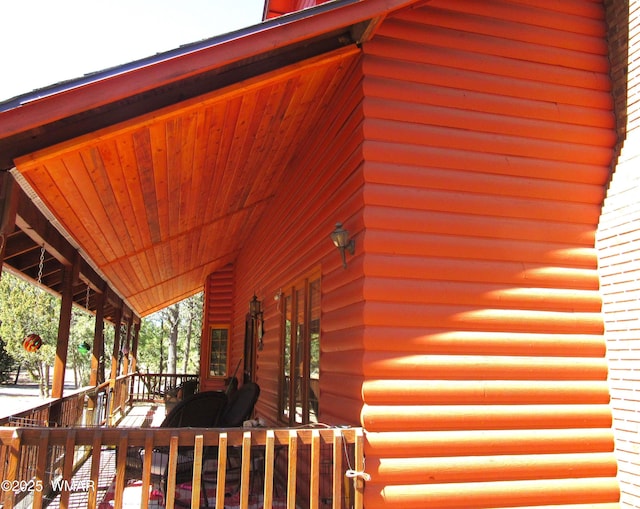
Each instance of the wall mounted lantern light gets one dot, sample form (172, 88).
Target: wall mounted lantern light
(340, 238)
(255, 311)
(255, 307)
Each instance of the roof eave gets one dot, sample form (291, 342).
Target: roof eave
(33, 121)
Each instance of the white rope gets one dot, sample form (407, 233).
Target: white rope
(353, 474)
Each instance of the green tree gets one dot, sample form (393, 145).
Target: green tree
(182, 321)
(7, 362)
(150, 346)
(193, 320)
(27, 309)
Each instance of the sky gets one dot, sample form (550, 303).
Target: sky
(43, 42)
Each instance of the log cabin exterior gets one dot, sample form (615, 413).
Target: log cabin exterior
(468, 148)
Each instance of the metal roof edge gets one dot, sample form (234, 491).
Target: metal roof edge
(32, 110)
(67, 85)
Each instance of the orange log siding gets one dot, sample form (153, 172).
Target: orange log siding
(218, 306)
(488, 136)
(467, 154)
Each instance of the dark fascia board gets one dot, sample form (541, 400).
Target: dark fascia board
(148, 101)
(44, 118)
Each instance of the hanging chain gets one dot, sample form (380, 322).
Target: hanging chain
(41, 265)
(87, 299)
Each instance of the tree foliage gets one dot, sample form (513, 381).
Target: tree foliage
(25, 309)
(169, 340)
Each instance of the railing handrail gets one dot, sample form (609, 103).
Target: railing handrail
(168, 375)
(84, 435)
(24, 414)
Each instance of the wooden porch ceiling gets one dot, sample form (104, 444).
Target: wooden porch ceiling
(162, 200)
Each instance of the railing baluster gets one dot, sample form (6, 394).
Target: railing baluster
(222, 471)
(96, 453)
(336, 494)
(41, 466)
(245, 470)
(358, 498)
(67, 468)
(14, 462)
(197, 473)
(146, 468)
(291, 470)
(171, 474)
(269, 456)
(121, 466)
(314, 482)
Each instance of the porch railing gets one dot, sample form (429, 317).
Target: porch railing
(277, 468)
(104, 404)
(158, 386)
(67, 411)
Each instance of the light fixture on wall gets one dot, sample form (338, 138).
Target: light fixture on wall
(255, 307)
(255, 311)
(340, 238)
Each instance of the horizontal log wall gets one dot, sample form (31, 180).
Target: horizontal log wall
(219, 292)
(488, 139)
(619, 249)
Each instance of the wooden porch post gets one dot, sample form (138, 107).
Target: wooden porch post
(116, 345)
(64, 328)
(126, 348)
(98, 341)
(114, 364)
(134, 346)
(8, 209)
(96, 353)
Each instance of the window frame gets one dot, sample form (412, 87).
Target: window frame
(287, 400)
(210, 349)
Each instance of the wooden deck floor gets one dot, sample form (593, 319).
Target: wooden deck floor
(146, 415)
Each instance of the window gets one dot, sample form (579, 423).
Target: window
(218, 344)
(300, 374)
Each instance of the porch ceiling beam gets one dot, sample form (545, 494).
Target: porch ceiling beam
(18, 244)
(39, 229)
(34, 231)
(33, 222)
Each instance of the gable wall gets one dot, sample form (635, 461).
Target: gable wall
(619, 249)
(488, 138)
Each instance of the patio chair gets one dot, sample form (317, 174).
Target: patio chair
(202, 410)
(240, 406)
